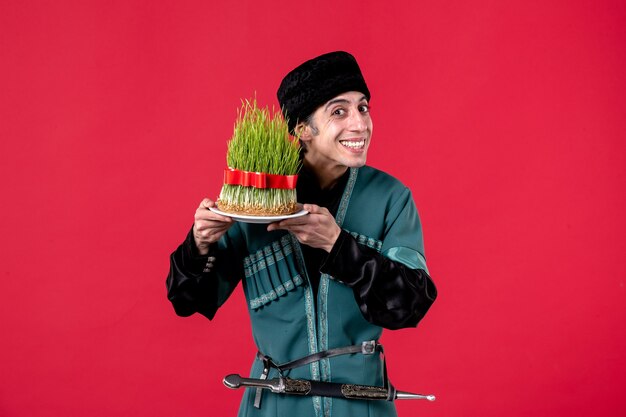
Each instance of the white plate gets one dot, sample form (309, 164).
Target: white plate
(259, 219)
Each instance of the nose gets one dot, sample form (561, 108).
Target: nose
(357, 121)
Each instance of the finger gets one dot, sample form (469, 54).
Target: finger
(208, 215)
(212, 230)
(219, 218)
(206, 203)
(290, 223)
(212, 225)
(279, 226)
(292, 228)
(311, 208)
(210, 233)
(315, 210)
(275, 226)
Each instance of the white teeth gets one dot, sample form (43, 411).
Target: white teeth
(353, 145)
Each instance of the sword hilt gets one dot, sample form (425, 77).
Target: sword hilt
(234, 381)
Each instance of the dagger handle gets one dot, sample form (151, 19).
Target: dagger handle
(235, 381)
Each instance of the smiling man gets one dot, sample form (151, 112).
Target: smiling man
(320, 288)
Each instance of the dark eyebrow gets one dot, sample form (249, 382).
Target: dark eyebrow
(341, 100)
(335, 101)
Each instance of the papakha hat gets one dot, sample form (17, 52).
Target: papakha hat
(315, 82)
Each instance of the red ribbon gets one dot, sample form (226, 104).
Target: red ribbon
(259, 179)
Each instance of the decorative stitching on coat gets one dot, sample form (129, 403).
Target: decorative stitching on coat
(323, 291)
(367, 241)
(271, 272)
(310, 320)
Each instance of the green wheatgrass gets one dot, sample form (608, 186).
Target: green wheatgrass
(260, 143)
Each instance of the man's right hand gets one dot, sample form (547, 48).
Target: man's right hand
(208, 227)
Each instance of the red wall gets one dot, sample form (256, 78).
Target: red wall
(506, 119)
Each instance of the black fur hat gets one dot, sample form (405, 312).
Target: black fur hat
(315, 82)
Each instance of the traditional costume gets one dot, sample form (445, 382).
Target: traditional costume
(318, 316)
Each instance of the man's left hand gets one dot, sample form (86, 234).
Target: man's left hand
(317, 229)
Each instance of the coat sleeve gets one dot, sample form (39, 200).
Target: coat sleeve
(201, 284)
(392, 288)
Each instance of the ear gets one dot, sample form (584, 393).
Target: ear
(303, 132)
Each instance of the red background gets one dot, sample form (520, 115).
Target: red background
(506, 119)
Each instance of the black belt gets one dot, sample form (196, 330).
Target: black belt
(366, 348)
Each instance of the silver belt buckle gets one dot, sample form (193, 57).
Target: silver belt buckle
(369, 347)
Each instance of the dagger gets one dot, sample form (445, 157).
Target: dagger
(306, 387)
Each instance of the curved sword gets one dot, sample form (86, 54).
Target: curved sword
(306, 387)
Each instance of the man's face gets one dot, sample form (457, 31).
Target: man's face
(339, 133)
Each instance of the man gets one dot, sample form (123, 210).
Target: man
(325, 282)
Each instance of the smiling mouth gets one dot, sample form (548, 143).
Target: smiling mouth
(353, 144)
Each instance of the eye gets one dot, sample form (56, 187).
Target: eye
(364, 108)
(338, 112)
